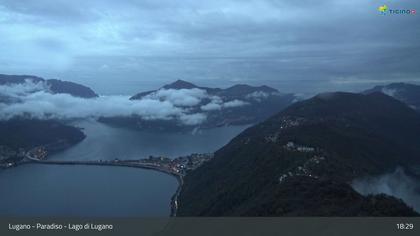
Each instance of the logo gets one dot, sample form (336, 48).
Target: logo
(384, 9)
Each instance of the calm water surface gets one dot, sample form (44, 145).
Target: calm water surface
(106, 142)
(47, 190)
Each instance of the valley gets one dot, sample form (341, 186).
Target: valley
(266, 145)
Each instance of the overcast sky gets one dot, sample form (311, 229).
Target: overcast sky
(133, 45)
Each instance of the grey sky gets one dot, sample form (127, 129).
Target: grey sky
(133, 45)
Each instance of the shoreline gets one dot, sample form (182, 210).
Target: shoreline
(174, 198)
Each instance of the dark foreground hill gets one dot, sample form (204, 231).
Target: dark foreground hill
(55, 86)
(407, 93)
(25, 134)
(300, 162)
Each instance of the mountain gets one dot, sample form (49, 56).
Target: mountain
(19, 135)
(177, 85)
(300, 161)
(235, 91)
(25, 134)
(180, 84)
(243, 90)
(55, 86)
(407, 93)
(237, 105)
(74, 89)
(18, 79)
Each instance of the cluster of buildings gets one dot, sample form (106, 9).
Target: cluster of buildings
(9, 156)
(305, 169)
(291, 146)
(179, 165)
(39, 153)
(287, 122)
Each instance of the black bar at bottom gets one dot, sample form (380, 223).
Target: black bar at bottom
(212, 226)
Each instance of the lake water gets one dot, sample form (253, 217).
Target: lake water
(47, 190)
(106, 142)
(41, 190)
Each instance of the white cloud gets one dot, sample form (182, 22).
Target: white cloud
(193, 119)
(218, 104)
(389, 92)
(212, 106)
(258, 95)
(44, 105)
(180, 97)
(234, 103)
(35, 101)
(17, 90)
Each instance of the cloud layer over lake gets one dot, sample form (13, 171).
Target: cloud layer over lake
(35, 101)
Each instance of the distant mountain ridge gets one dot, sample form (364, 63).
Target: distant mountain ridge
(237, 105)
(234, 91)
(407, 93)
(180, 84)
(300, 161)
(56, 86)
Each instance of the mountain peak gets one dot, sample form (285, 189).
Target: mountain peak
(350, 106)
(244, 88)
(180, 84)
(78, 90)
(405, 92)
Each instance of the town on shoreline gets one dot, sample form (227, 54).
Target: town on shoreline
(177, 167)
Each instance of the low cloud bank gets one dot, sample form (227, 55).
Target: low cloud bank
(33, 100)
(259, 95)
(234, 103)
(179, 97)
(216, 104)
(18, 90)
(389, 92)
(396, 184)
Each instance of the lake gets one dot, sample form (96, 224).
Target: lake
(104, 191)
(106, 142)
